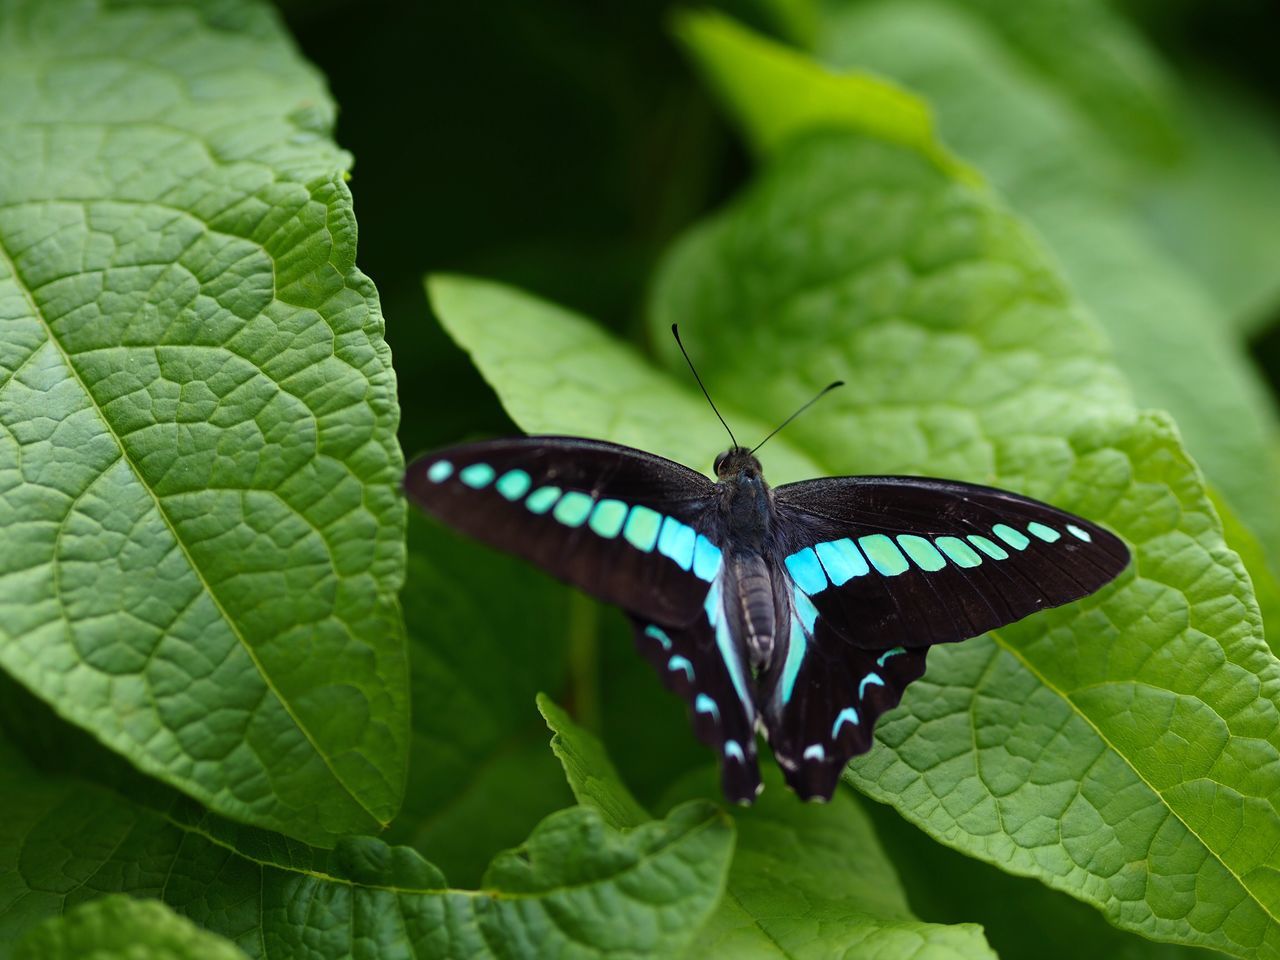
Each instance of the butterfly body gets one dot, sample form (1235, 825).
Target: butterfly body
(802, 611)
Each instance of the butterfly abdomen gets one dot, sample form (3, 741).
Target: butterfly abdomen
(751, 605)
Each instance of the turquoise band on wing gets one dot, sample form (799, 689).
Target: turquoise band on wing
(836, 562)
(642, 527)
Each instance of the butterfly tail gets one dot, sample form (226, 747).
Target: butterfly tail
(690, 663)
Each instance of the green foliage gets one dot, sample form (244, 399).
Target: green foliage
(807, 881)
(574, 883)
(1010, 226)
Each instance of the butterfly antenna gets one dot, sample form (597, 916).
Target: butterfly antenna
(675, 332)
(821, 393)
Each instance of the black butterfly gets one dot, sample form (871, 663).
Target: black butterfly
(802, 611)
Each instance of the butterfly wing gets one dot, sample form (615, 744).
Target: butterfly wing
(630, 528)
(625, 526)
(691, 661)
(883, 568)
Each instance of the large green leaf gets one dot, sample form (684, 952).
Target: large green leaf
(120, 928)
(807, 881)
(198, 466)
(1090, 746)
(1064, 174)
(576, 887)
(480, 776)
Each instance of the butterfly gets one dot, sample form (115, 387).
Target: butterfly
(801, 611)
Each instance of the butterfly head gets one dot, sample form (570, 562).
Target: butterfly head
(737, 463)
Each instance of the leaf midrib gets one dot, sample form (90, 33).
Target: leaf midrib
(158, 503)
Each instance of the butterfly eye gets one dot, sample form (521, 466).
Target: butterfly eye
(719, 461)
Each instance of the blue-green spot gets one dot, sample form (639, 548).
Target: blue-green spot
(706, 558)
(884, 554)
(514, 484)
(815, 751)
(841, 560)
(733, 749)
(542, 499)
(887, 654)
(795, 656)
(675, 540)
(958, 552)
(1078, 533)
(992, 550)
(724, 641)
(923, 553)
(806, 571)
(641, 530)
(805, 610)
(607, 518)
(440, 471)
(871, 679)
(1047, 534)
(1010, 536)
(704, 704)
(680, 663)
(658, 634)
(573, 508)
(847, 715)
(477, 476)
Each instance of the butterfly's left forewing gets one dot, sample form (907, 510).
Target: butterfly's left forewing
(882, 568)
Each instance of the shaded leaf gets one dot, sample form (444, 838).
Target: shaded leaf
(479, 776)
(589, 770)
(198, 465)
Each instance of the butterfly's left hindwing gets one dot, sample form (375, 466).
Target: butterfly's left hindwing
(880, 569)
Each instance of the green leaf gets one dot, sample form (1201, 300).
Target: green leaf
(1020, 917)
(589, 770)
(198, 465)
(1087, 200)
(806, 881)
(575, 887)
(480, 776)
(777, 92)
(120, 928)
(1094, 746)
